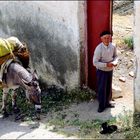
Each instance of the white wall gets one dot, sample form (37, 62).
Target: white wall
(137, 54)
(54, 32)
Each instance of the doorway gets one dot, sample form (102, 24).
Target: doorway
(116, 16)
(99, 18)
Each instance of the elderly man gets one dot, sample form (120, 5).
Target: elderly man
(104, 59)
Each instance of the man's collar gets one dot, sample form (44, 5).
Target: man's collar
(105, 45)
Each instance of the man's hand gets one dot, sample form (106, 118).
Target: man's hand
(110, 65)
(114, 63)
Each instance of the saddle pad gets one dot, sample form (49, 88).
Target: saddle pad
(5, 47)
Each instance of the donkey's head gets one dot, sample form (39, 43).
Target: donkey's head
(33, 91)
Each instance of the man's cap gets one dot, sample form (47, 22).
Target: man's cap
(105, 33)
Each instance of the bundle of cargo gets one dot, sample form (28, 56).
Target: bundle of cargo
(12, 47)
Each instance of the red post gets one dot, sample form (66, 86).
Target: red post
(99, 18)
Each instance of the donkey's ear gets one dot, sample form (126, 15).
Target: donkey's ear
(35, 75)
(29, 70)
(26, 83)
(35, 71)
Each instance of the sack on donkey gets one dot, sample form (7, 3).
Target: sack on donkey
(6, 47)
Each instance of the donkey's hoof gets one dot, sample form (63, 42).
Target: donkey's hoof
(5, 115)
(37, 116)
(19, 117)
(16, 110)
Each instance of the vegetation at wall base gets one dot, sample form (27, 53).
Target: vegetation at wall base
(134, 131)
(56, 98)
(53, 99)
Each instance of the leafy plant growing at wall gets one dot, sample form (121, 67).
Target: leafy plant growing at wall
(129, 42)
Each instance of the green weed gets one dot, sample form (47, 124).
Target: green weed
(129, 42)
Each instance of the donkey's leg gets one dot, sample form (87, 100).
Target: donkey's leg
(14, 102)
(4, 104)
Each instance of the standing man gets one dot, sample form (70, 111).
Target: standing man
(104, 59)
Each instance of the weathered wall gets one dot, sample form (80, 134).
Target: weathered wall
(54, 32)
(137, 54)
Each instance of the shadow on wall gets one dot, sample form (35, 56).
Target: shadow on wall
(43, 44)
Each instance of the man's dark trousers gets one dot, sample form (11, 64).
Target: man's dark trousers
(104, 87)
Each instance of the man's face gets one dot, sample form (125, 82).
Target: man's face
(106, 39)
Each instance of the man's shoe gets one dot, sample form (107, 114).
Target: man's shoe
(100, 110)
(110, 106)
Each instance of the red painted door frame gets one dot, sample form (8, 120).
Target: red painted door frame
(99, 18)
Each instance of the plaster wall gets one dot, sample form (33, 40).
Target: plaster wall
(137, 56)
(54, 32)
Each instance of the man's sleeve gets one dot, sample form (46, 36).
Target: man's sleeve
(97, 59)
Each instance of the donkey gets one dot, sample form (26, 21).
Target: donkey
(16, 76)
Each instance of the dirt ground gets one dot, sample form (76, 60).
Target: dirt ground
(122, 27)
